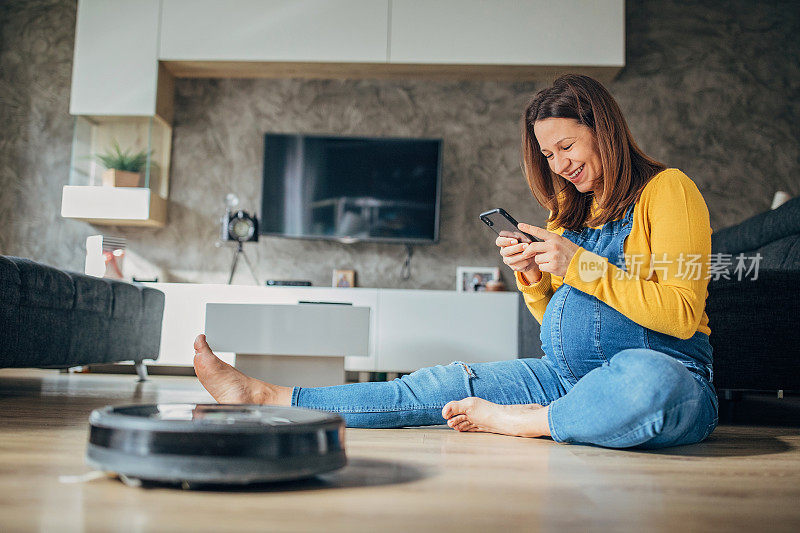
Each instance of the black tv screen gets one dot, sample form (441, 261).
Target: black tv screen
(351, 189)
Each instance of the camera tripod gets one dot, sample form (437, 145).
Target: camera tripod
(240, 251)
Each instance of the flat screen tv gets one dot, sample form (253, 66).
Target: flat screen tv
(351, 188)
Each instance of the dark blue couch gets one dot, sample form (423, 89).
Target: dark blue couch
(755, 323)
(50, 318)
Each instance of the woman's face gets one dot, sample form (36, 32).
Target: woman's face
(571, 151)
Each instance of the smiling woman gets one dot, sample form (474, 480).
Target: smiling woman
(627, 357)
(580, 124)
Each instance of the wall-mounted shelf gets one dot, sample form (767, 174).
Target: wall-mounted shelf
(115, 206)
(91, 196)
(120, 95)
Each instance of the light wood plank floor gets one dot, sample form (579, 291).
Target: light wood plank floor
(420, 479)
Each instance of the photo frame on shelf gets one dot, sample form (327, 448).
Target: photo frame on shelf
(344, 278)
(474, 279)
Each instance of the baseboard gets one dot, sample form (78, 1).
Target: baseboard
(128, 368)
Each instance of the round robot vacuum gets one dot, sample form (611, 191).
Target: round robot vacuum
(215, 444)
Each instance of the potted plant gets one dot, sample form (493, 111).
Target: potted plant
(123, 169)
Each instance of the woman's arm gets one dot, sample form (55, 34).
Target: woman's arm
(537, 295)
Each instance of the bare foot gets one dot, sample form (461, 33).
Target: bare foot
(228, 385)
(477, 414)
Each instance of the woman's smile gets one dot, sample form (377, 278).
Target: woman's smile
(576, 175)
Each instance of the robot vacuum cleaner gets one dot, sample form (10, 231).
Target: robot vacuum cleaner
(198, 444)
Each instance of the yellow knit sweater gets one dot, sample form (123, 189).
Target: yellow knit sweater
(666, 256)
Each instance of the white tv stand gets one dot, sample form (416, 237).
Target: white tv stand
(409, 329)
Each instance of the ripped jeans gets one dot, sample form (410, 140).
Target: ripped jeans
(640, 398)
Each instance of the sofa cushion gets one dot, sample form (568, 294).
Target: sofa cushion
(783, 254)
(759, 230)
(89, 321)
(127, 299)
(43, 286)
(9, 282)
(152, 316)
(46, 299)
(91, 293)
(753, 332)
(9, 311)
(125, 333)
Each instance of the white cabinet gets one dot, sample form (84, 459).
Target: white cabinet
(127, 51)
(508, 32)
(425, 328)
(274, 30)
(409, 329)
(115, 66)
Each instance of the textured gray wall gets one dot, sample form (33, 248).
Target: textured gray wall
(218, 141)
(36, 40)
(709, 88)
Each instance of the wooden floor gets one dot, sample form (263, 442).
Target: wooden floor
(422, 479)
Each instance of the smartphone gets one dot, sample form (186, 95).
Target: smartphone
(505, 225)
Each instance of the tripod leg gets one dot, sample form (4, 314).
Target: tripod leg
(250, 265)
(233, 266)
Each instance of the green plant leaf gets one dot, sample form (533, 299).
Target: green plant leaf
(117, 159)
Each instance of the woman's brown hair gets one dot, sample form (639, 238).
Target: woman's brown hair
(626, 169)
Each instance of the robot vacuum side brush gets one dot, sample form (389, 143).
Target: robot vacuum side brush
(195, 444)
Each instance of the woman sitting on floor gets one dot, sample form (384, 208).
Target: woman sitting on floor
(618, 283)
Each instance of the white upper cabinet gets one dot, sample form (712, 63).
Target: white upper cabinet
(119, 43)
(115, 66)
(508, 32)
(347, 31)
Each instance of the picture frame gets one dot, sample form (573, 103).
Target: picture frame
(344, 278)
(474, 279)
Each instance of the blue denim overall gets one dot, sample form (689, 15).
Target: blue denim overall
(607, 380)
(579, 332)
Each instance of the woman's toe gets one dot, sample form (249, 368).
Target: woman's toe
(448, 411)
(204, 359)
(466, 425)
(457, 407)
(201, 345)
(455, 420)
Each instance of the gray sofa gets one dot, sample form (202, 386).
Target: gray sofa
(754, 322)
(51, 318)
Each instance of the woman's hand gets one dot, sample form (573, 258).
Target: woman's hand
(512, 245)
(552, 255)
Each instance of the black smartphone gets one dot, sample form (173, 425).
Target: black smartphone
(505, 225)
